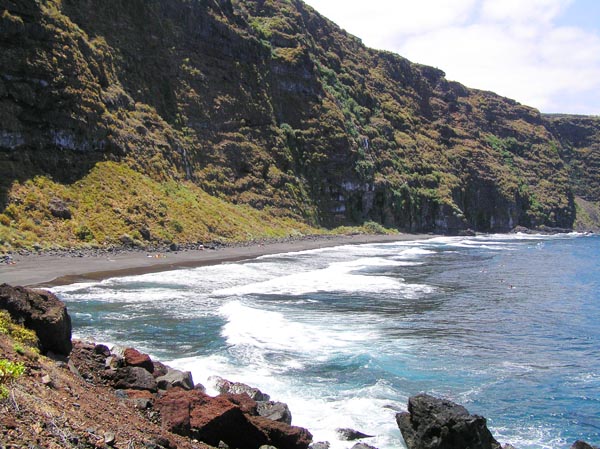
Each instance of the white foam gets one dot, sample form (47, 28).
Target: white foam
(258, 331)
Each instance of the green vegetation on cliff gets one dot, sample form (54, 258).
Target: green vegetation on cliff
(190, 120)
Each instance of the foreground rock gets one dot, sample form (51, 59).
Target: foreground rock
(41, 312)
(433, 423)
(229, 418)
(582, 445)
(233, 417)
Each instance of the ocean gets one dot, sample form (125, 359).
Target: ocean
(506, 325)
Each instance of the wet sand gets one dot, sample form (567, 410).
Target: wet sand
(47, 270)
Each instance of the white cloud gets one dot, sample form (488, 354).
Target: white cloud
(512, 47)
(377, 21)
(522, 11)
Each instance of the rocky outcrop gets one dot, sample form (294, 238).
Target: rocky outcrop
(222, 418)
(233, 417)
(433, 423)
(42, 312)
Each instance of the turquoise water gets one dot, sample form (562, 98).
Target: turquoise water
(505, 325)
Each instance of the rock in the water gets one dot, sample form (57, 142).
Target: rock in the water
(351, 434)
(363, 446)
(320, 445)
(433, 423)
(133, 357)
(42, 312)
(582, 445)
(175, 378)
(224, 386)
(276, 411)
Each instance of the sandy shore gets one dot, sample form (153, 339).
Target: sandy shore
(45, 270)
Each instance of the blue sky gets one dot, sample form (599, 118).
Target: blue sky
(543, 53)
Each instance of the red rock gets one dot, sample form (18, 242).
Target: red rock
(197, 415)
(245, 402)
(133, 357)
(282, 435)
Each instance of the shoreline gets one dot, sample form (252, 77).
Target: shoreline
(40, 270)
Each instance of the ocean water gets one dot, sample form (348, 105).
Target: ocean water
(508, 326)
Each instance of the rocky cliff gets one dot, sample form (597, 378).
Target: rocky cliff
(262, 104)
(579, 137)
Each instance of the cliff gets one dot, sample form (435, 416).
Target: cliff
(579, 137)
(152, 118)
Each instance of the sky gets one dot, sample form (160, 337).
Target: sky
(542, 53)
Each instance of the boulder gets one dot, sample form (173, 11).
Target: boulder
(281, 435)
(276, 411)
(133, 357)
(582, 445)
(433, 423)
(59, 209)
(134, 378)
(351, 434)
(175, 378)
(320, 445)
(224, 386)
(243, 401)
(211, 420)
(362, 446)
(42, 312)
(160, 369)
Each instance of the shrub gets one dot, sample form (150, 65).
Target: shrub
(20, 334)
(9, 372)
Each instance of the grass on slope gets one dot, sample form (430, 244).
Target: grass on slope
(114, 204)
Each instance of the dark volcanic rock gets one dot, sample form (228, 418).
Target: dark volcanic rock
(59, 209)
(582, 445)
(134, 378)
(175, 378)
(433, 423)
(276, 411)
(351, 434)
(42, 312)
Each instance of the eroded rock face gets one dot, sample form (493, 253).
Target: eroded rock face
(42, 312)
(433, 423)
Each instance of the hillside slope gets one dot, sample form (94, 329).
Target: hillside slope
(263, 104)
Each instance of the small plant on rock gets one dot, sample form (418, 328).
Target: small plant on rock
(9, 372)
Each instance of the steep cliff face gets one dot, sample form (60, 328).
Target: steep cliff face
(266, 103)
(579, 137)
